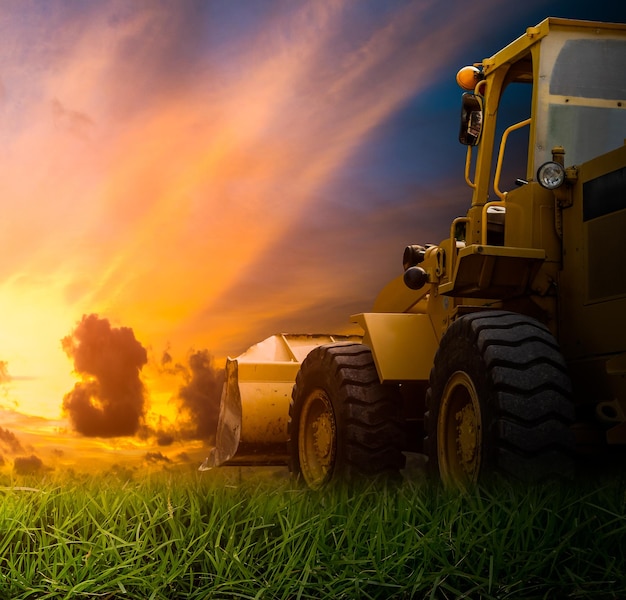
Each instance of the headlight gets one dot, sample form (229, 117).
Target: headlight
(551, 175)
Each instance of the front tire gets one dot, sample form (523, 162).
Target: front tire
(499, 401)
(343, 423)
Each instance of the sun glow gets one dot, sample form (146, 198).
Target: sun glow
(36, 318)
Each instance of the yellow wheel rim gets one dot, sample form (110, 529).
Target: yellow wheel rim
(459, 432)
(317, 439)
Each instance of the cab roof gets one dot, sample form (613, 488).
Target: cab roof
(521, 46)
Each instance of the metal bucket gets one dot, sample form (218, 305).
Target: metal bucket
(254, 407)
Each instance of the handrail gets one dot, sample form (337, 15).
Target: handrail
(453, 244)
(484, 230)
(468, 161)
(505, 135)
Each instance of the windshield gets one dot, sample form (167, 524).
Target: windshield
(582, 101)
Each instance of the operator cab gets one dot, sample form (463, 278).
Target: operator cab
(576, 95)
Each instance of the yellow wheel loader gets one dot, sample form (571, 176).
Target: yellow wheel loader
(501, 349)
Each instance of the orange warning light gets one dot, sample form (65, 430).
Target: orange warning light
(468, 77)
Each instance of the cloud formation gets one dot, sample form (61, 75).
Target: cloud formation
(28, 465)
(197, 399)
(9, 442)
(200, 397)
(109, 400)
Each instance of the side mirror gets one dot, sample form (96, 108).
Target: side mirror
(471, 119)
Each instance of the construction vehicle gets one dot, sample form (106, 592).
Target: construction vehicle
(502, 349)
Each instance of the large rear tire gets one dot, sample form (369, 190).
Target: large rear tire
(343, 423)
(499, 401)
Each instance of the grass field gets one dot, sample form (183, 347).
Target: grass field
(189, 535)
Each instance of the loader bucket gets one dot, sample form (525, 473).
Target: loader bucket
(254, 406)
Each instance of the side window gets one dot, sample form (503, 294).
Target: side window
(587, 90)
(515, 106)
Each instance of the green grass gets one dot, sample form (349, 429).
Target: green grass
(191, 536)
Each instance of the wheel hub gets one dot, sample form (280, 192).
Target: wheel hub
(459, 431)
(466, 437)
(323, 436)
(317, 438)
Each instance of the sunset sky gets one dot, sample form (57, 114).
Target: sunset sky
(203, 174)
